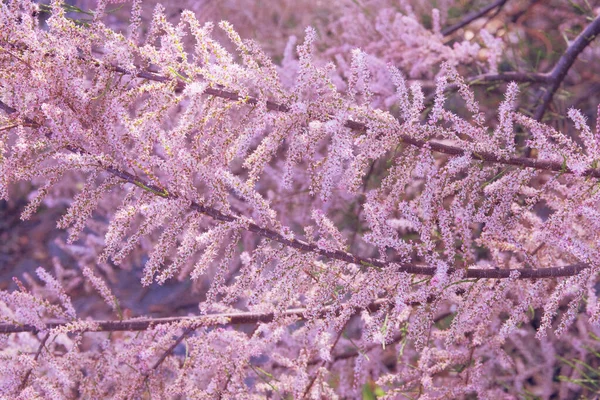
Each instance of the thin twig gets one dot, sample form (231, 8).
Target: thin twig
(230, 375)
(485, 79)
(35, 358)
(395, 339)
(198, 321)
(511, 76)
(168, 352)
(472, 17)
(17, 58)
(324, 363)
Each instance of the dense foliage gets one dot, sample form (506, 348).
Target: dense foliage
(396, 201)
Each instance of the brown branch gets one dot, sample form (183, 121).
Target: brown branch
(559, 72)
(6, 108)
(395, 339)
(218, 92)
(472, 17)
(340, 255)
(168, 352)
(35, 358)
(354, 259)
(17, 58)
(512, 76)
(325, 363)
(195, 322)
(524, 162)
(146, 323)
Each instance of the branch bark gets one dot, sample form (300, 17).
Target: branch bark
(559, 72)
(143, 324)
(35, 358)
(472, 17)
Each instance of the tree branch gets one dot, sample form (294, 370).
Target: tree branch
(35, 358)
(526, 162)
(143, 324)
(472, 17)
(324, 363)
(340, 255)
(484, 79)
(511, 76)
(167, 352)
(559, 72)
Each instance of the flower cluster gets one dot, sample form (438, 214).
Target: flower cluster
(349, 216)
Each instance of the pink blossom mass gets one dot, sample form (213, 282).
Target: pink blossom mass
(353, 199)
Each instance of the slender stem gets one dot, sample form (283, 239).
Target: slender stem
(196, 322)
(472, 17)
(356, 352)
(524, 162)
(485, 79)
(17, 58)
(511, 76)
(324, 363)
(168, 352)
(35, 358)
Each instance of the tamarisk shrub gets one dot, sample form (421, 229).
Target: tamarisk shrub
(347, 230)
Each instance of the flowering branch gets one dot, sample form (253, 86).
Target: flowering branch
(168, 352)
(524, 273)
(555, 77)
(524, 162)
(35, 358)
(195, 322)
(324, 364)
(257, 201)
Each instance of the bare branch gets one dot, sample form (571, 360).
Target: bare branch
(472, 17)
(167, 352)
(559, 72)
